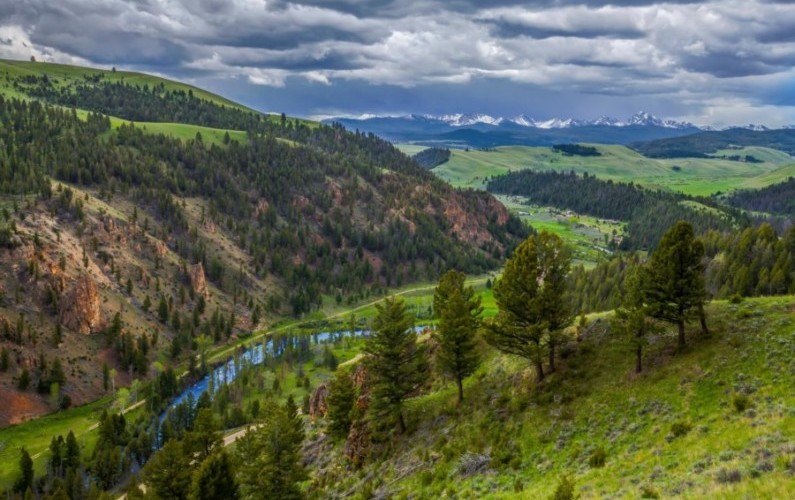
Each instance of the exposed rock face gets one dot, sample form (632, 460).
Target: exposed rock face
(80, 309)
(318, 403)
(470, 225)
(359, 377)
(357, 444)
(197, 280)
(160, 248)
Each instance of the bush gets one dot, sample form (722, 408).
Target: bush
(736, 298)
(741, 402)
(729, 476)
(518, 485)
(597, 458)
(564, 490)
(647, 491)
(680, 428)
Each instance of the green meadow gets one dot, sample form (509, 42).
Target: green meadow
(696, 176)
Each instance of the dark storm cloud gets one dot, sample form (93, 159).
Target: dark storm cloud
(509, 29)
(707, 55)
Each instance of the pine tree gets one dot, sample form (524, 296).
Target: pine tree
(458, 310)
(215, 479)
(168, 472)
(204, 437)
(395, 362)
(71, 458)
(25, 480)
(675, 287)
(631, 319)
(554, 263)
(517, 328)
(270, 456)
(341, 398)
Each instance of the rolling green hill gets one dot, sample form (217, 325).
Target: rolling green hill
(695, 176)
(68, 74)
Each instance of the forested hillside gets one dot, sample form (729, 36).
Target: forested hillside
(158, 242)
(778, 199)
(647, 213)
(703, 144)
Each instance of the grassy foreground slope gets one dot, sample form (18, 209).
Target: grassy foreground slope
(696, 176)
(679, 429)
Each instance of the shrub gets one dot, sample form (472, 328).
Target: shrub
(680, 428)
(741, 402)
(597, 458)
(518, 485)
(564, 490)
(729, 476)
(736, 298)
(647, 491)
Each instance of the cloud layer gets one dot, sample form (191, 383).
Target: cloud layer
(718, 61)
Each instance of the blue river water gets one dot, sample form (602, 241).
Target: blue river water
(255, 355)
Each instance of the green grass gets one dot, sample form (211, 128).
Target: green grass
(35, 436)
(410, 149)
(66, 74)
(534, 434)
(696, 176)
(584, 234)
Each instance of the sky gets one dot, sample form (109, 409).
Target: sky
(719, 63)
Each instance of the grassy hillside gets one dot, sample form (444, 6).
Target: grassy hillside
(66, 74)
(679, 429)
(697, 176)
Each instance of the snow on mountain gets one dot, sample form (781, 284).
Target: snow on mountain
(559, 123)
(466, 119)
(523, 121)
(640, 119)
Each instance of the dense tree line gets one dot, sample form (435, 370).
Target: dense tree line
(646, 212)
(778, 199)
(432, 157)
(702, 144)
(576, 150)
(752, 262)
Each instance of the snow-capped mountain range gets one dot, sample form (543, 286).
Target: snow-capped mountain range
(459, 120)
(469, 119)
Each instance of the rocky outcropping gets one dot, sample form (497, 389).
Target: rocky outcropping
(359, 378)
(197, 280)
(80, 309)
(318, 402)
(357, 444)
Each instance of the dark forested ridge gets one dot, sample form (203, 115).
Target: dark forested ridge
(432, 157)
(778, 199)
(576, 150)
(647, 213)
(703, 144)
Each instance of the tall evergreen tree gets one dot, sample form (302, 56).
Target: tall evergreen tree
(533, 310)
(168, 472)
(25, 480)
(631, 319)
(215, 479)
(341, 398)
(458, 310)
(675, 286)
(395, 362)
(554, 263)
(270, 456)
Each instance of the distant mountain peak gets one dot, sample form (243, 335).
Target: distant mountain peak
(639, 119)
